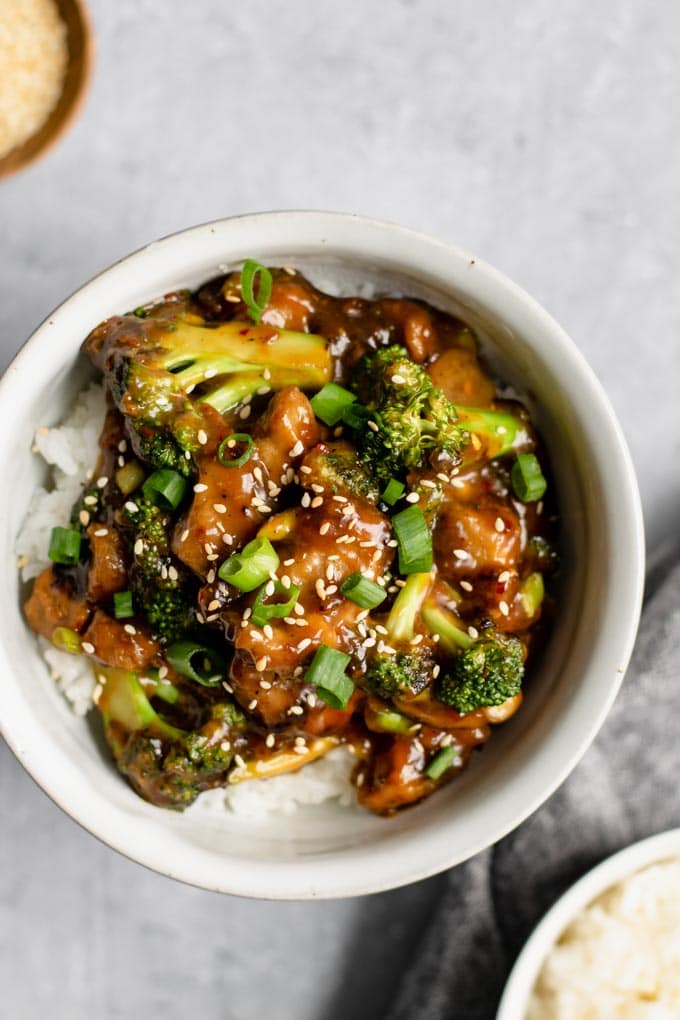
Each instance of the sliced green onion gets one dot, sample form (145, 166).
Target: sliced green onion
(527, 478)
(442, 761)
(363, 591)
(415, 541)
(256, 302)
(197, 662)
(394, 490)
(122, 605)
(331, 402)
(264, 611)
(229, 444)
(165, 488)
(356, 415)
(393, 722)
(249, 569)
(64, 546)
(66, 640)
(327, 673)
(129, 477)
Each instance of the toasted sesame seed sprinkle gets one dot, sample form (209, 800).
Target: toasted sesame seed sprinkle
(210, 576)
(539, 507)
(289, 562)
(442, 477)
(129, 629)
(298, 609)
(121, 461)
(324, 527)
(427, 483)
(316, 502)
(219, 508)
(499, 524)
(227, 686)
(270, 740)
(330, 572)
(211, 557)
(372, 426)
(202, 436)
(163, 672)
(257, 472)
(90, 501)
(212, 606)
(101, 532)
(504, 608)
(266, 374)
(466, 586)
(286, 581)
(320, 588)
(305, 643)
(245, 412)
(299, 749)
(398, 379)
(261, 664)
(269, 588)
(138, 548)
(122, 446)
(262, 390)
(265, 685)
(473, 633)
(247, 613)
(102, 482)
(200, 487)
(413, 497)
(300, 740)
(252, 705)
(504, 577)
(296, 710)
(268, 631)
(227, 539)
(436, 670)
(306, 500)
(87, 647)
(305, 468)
(239, 761)
(461, 554)
(416, 639)
(297, 449)
(340, 499)
(84, 518)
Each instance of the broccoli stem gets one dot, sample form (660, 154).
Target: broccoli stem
(501, 432)
(452, 636)
(401, 621)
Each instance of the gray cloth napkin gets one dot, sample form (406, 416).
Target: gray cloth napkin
(625, 788)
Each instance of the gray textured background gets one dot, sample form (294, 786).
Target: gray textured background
(542, 137)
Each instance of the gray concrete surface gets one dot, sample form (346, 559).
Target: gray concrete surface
(542, 137)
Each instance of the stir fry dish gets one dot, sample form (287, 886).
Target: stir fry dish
(314, 521)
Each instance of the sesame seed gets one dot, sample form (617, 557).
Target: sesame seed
(212, 557)
(436, 670)
(306, 470)
(87, 647)
(90, 501)
(210, 576)
(286, 581)
(320, 588)
(121, 461)
(539, 507)
(416, 639)
(262, 390)
(225, 746)
(296, 450)
(298, 609)
(340, 499)
(398, 379)
(289, 562)
(306, 500)
(363, 614)
(239, 761)
(504, 608)
(466, 586)
(473, 633)
(163, 672)
(261, 664)
(300, 741)
(315, 487)
(101, 532)
(499, 524)
(122, 446)
(138, 547)
(372, 426)
(84, 518)
(269, 588)
(129, 629)
(501, 430)
(413, 497)
(461, 554)
(268, 631)
(252, 705)
(200, 487)
(317, 502)
(212, 606)
(247, 614)
(184, 536)
(442, 477)
(504, 577)
(299, 749)
(296, 710)
(393, 543)
(257, 472)
(227, 539)
(228, 688)
(219, 508)
(102, 482)
(266, 374)
(270, 740)
(245, 412)
(330, 572)
(265, 685)
(172, 573)
(324, 527)
(427, 483)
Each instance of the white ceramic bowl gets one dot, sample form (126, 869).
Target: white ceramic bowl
(330, 851)
(517, 993)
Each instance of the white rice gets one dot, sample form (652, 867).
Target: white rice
(620, 958)
(71, 451)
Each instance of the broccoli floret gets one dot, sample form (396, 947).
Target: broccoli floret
(487, 670)
(163, 373)
(92, 501)
(487, 673)
(160, 449)
(166, 764)
(335, 466)
(411, 422)
(162, 589)
(403, 673)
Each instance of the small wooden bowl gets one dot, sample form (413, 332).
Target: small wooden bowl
(79, 42)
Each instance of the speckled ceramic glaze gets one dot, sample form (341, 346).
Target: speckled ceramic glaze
(331, 851)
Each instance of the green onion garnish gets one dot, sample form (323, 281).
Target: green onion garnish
(165, 488)
(363, 591)
(327, 673)
(197, 662)
(129, 477)
(356, 415)
(122, 605)
(264, 611)
(64, 546)
(251, 567)
(230, 444)
(527, 478)
(394, 490)
(442, 761)
(331, 402)
(256, 302)
(393, 722)
(415, 541)
(66, 640)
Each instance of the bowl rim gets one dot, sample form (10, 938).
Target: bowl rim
(613, 869)
(266, 882)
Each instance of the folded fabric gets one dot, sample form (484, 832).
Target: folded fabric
(625, 788)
